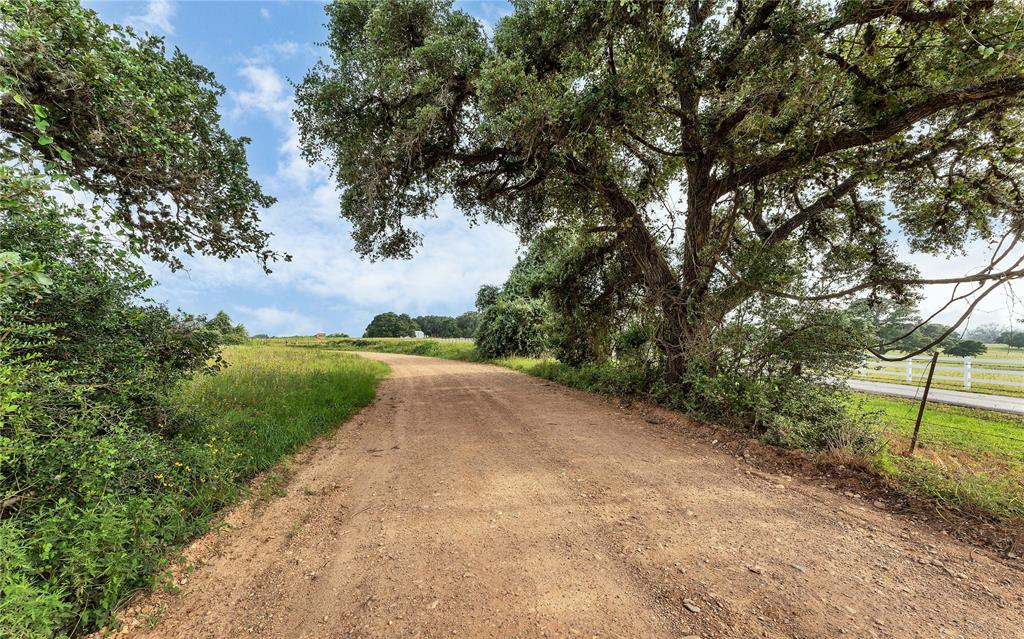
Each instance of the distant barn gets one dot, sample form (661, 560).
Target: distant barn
(419, 334)
(321, 335)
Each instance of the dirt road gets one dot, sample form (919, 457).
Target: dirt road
(472, 501)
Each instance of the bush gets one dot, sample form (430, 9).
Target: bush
(93, 501)
(512, 327)
(966, 348)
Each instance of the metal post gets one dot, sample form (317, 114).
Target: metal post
(924, 400)
(967, 372)
(910, 370)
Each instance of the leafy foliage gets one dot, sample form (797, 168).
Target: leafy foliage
(986, 333)
(443, 326)
(391, 325)
(486, 296)
(512, 326)
(135, 127)
(966, 348)
(85, 369)
(1013, 339)
(229, 333)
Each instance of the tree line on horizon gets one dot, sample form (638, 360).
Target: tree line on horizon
(390, 324)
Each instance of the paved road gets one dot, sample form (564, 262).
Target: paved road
(473, 501)
(942, 396)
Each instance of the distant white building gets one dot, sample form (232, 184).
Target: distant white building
(419, 334)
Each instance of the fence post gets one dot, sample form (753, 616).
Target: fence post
(967, 372)
(910, 370)
(924, 400)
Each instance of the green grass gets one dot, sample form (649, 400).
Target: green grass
(952, 427)
(273, 399)
(968, 460)
(445, 349)
(991, 495)
(1002, 351)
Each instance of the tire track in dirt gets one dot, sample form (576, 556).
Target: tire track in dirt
(473, 501)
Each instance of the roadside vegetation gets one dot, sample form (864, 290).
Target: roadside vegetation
(124, 425)
(100, 498)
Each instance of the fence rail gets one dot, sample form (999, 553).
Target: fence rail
(1011, 373)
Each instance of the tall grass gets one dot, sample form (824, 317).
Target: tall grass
(445, 349)
(273, 399)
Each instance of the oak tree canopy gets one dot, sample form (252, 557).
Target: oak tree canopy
(720, 150)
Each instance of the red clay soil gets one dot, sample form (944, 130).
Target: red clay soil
(474, 501)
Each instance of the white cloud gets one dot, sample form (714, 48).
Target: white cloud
(998, 307)
(327, 286)
(265, 14)
(271, 320)
(267, 93)
(157, 17)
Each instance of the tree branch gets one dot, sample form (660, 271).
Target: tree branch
(852, 138)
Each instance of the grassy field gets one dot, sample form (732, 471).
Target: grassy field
(968, 460)
(445, 349)
(951, 428)
(272, 399)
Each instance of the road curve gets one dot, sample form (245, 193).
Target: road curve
(474, 501)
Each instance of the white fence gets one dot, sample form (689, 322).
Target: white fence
(966, 370)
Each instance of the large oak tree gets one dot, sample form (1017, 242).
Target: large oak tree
(724, 149)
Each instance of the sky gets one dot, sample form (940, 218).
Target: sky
(256, 49)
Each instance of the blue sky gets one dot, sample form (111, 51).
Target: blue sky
(255, 48)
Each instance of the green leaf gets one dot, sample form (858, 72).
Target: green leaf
(45, 139)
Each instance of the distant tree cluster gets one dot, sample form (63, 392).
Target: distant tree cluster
(394, 325)
(443, 326)
(899, 327)
(987, 333)
(229, 333)
(1013, 339)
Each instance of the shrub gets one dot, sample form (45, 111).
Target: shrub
(90, 495)
(512, 327)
